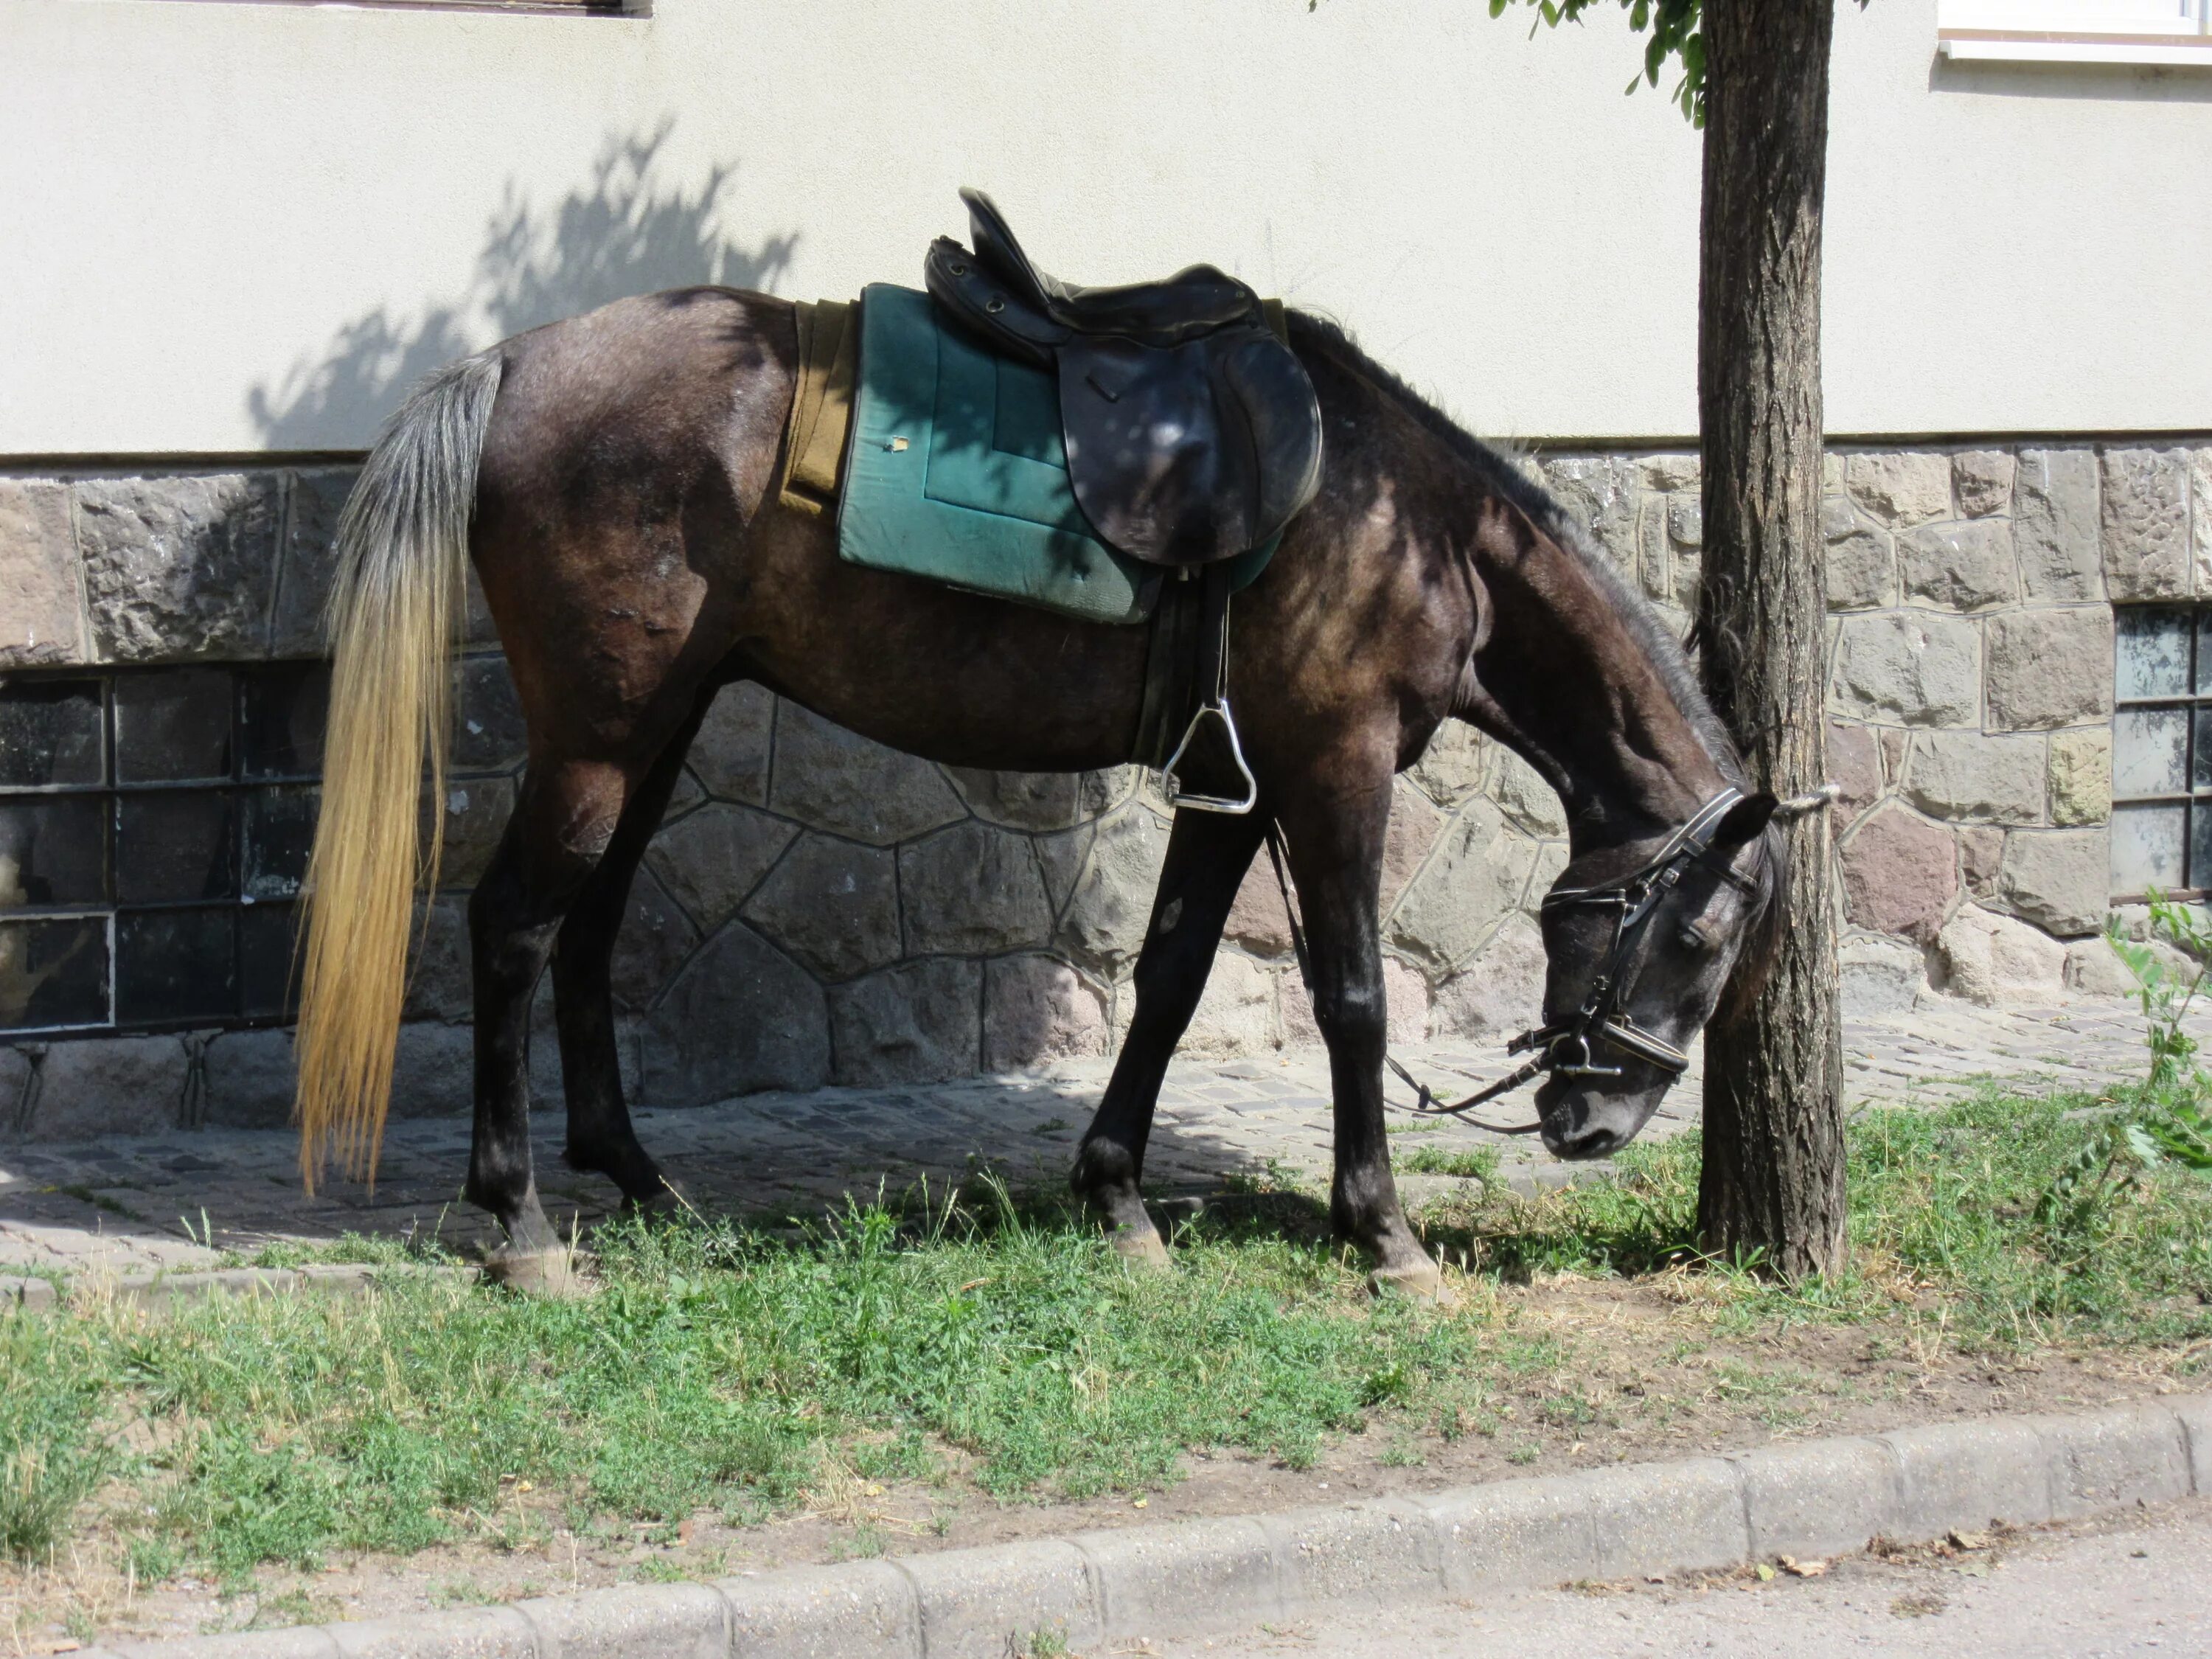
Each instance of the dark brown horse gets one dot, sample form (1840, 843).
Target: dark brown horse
(610, 477)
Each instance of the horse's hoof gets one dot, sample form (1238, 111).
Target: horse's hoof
(1142, 1247)
(1421, 1280)
(556, 1271)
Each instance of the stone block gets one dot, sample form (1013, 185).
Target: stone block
(434, 1070)
(730, 754)
(118, 1085)
(741, 1017)
(669, 1621)
(1672, 471)
(454, 1633)
(655, 941)
(1600, 493)
(1684, 1516)
(832, 904)
(252, 1078)
(1900, 488)
(919, 1022)
(1037, 1010)
(1860, 559)
(1477, 873)
(1900, 874)
(830, 779)
(1451, 768)
(2094, 970)
(2049, 668)
(1655, 554)
(1528, 801)
(41, 605)
(1184, 1579)
(1981, 853)
(1992, 960)
(178, 568)
(1061, 858)
(1969, 777)
(308, 560)
(1412, 830)
(1513, 1535)
(1981, 480)
(438, 970)
(1685, 520)
(1021, 800)
(1855, 762)
(1909, 667)
(1257, 919)
(1824, 1497)
(1375, 1555)
(2081, 776)
(488, 734)
(2200, 518)
(2143, 526)
(1966, 1475)
(2056, 878)
(476, 814)
(1405, 1004)
(1960, 566)
(1237, 1015)
(2054, 525)
(1879, 977)
(17, 1074)
(711, 861)
(856, 1610)
(1012, 1598)
(2116, 1458)
(972, 889)
(1103, 927)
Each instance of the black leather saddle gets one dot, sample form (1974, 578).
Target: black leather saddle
(1192, 430)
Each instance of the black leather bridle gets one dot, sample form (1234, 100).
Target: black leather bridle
(1569, 1047)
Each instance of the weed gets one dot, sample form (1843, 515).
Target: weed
(1470, 1162)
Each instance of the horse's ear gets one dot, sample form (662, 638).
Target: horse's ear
(1745, 820)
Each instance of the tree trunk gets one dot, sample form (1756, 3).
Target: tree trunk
(1773, 1179)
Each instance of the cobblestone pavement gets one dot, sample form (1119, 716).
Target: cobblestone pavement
(176, 1200)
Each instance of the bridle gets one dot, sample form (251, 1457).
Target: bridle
(1569, 1047)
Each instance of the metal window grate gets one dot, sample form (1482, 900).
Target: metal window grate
(2161, 833)
(154, 826)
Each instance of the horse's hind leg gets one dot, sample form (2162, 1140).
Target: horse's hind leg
(600, 1135)
(564, 818)
(1207, 856)
(1336, 860)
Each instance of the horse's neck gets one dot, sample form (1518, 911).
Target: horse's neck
(1563, 679)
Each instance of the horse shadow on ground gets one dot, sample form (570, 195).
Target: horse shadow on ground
(627, 230)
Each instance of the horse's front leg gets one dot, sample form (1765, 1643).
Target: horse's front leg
(1336, 861)
(1207, 858)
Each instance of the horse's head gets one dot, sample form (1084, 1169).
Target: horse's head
(1642, 939)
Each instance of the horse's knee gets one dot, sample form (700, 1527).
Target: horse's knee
(1352, 1012)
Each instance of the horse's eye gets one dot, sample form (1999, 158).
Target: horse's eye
(1692, 937)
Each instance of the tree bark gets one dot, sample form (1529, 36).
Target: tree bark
(1773, 1175)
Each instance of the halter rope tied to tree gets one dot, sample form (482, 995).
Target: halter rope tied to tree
(1568, 1047)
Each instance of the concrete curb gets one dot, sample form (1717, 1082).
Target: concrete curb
(165, 1290)
(1816, 1498)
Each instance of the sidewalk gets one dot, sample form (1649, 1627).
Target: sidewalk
(175, 1200)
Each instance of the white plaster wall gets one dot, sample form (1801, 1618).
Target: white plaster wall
(236, 226)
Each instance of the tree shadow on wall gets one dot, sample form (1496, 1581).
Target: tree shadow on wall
(626, 232)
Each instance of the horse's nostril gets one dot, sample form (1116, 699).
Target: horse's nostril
(1590, 1143)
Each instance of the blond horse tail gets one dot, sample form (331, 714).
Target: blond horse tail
(402, 556)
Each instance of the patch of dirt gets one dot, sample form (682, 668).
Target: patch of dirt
(1644, 1375)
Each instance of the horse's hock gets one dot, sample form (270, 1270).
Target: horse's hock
(816, 908)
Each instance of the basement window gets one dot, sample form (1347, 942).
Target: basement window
(2160, 31)
(154, 826)
(2162, 750)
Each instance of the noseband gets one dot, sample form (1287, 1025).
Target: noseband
(1569, 1047)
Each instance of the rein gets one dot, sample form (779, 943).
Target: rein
(1569, 1047)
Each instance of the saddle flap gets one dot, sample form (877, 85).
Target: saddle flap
(1152, 467)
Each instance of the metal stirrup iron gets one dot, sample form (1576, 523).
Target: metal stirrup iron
(1214, 674)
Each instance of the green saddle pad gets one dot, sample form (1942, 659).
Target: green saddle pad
(958, 473)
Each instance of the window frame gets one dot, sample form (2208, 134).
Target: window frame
(2195, 703)
(2082, 32)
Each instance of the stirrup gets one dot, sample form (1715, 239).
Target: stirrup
(1176, 796)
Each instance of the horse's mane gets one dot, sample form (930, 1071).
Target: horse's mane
(1311, 333)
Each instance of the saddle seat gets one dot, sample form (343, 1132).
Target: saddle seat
(1192, 431)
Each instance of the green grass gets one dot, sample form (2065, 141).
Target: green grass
(729, 1369)
(1470, 1163)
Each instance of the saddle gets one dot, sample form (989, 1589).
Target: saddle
(1192, 430)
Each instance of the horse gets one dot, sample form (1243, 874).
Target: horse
(611, 479)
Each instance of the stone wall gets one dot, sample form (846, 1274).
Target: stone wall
(816, 908)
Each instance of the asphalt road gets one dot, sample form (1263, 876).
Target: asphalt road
(2140, 1585)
